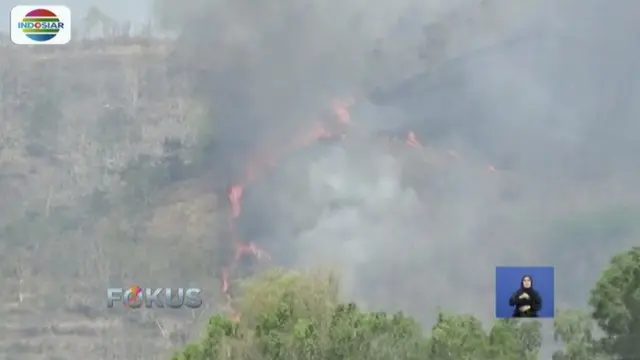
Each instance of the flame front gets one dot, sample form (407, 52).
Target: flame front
(258, 165)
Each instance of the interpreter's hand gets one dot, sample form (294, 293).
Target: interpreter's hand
(524, 308)
(523, 296)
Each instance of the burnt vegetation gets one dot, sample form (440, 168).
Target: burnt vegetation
(410, 161)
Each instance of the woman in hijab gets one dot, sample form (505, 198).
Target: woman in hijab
(526, 300)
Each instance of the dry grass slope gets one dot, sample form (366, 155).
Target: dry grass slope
(116, 103)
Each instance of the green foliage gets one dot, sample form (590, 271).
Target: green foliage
(289, 315)
(515, 339)
(575, 330)
(307, 296)
(616, 305)
(463, 337)
(458, 337)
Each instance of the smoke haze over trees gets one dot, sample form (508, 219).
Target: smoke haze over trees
(526, 112)
(544, 98)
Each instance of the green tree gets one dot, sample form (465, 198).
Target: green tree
(513, 339)
(616, 305)
(462, 337)
(287, 315)
(458, 337)
(575, 330)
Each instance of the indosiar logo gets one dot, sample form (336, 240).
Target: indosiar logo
(40, 25)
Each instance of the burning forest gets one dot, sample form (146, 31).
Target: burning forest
(334, 129)
(379, 199)
(339, 127)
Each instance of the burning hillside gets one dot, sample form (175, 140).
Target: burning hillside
(336, 128)
(339, 128)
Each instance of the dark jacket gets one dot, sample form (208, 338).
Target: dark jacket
(534, 301)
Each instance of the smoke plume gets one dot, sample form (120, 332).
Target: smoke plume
(521, 116)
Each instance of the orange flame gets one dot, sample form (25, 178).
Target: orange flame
(412, 140)
(235, 195)
(251, 249)
(341, 110)
(254, 171)
(224, 281)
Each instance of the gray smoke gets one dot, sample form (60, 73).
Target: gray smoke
(547, 93)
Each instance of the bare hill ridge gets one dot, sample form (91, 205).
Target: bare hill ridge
(72, 121)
